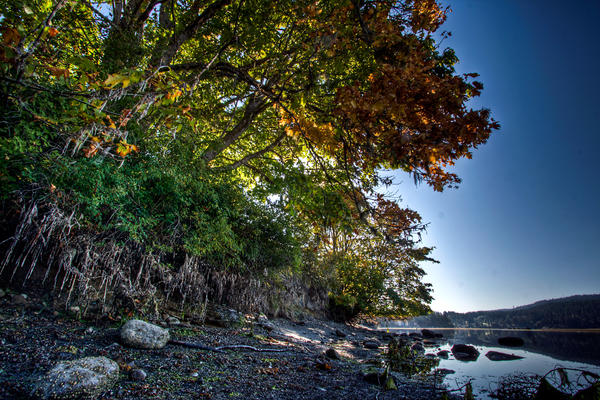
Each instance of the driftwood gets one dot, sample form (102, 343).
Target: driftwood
(221, 348)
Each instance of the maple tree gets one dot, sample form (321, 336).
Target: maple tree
(300, 103)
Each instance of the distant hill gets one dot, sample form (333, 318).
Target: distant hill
(575, 312)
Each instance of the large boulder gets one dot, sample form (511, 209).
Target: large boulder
(85, 378)
(498, 356)
(465, 352)
(511, 341)
(143, 335)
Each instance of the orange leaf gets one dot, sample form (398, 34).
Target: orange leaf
(52, 32)
(58, 72)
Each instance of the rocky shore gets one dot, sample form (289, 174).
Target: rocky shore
(246, 357)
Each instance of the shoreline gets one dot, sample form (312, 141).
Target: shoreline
(563, 330)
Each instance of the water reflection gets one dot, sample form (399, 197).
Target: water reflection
(542, 352)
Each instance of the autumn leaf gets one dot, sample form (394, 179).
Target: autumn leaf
(10, 36)
(114, 79)
(52, 32)
(58, 72)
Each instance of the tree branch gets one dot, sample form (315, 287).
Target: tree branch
(186, 34)
(249, 157)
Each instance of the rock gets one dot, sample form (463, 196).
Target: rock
(415, 335)
(331, 353)
(2, 293)
(465, 352)
(443, 354)
(371, 344)
(172, 321)
(223, 317)
(85, 378)
(339, 333)
(90, 330)
(75, 310)
(511, 341)
(445, 371)
(19, 300)
(429, 343)
(375, 376)
(498, 356)
(143, 335)
(427, 334)
(418, 347)
(138, 374)
(264, 323)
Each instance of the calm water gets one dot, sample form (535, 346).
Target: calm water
(542, 352)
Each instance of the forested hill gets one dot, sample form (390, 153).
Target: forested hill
(576, 312)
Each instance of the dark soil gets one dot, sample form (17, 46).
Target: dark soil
(34, 337)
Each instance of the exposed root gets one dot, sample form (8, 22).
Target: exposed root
(107, 272)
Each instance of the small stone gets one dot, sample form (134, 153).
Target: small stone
(2, 293)
(74, 309)
(138, 374)
(445, 371)
(19, 299)
(144, 335)
(331, 353)
(90, 330)
(172, 321)
(371, 344)
(339, 333)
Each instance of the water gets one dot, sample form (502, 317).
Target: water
(543, 351)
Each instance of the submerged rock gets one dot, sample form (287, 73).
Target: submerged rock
(428, 334)
(465, 352)
(143, 335)
(511, 341)
(443, 354)
(85, 378)
(498, 356)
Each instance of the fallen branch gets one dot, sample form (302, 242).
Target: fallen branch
(195, 346)
(221, 348)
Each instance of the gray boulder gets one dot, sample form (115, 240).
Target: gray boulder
(85, 378)
(143, 335)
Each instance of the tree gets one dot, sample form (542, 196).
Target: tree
(305, 101)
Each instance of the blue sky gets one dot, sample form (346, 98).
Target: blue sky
(525, 223)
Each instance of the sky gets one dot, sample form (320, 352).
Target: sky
(525, 223)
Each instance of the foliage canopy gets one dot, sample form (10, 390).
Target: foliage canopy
(246, 132)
